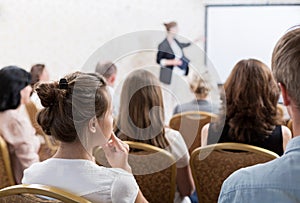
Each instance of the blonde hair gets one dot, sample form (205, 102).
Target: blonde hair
(141, 116)
(199, 86)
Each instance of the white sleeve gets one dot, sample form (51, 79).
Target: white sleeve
(178, 148)
(124, 189)
(163, 62)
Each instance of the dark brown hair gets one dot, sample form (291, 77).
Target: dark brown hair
(141, 116)
(251, 96)
(169, 25)
(36, 71)
(68, 111)
(12, 80)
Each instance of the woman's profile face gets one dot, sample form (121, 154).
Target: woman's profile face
(174, 30)
(106, 124)
(25, 94)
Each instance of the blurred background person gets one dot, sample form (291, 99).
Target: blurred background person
(15, 126)
(141, 119)
(201, 90)
(170, 54)
(109, 70)
(251, 113)
(39, 73)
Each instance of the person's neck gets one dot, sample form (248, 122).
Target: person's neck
(200, 97)
(73, 150)
(296, 125)
(170, 37)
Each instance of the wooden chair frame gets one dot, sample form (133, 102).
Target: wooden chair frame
(191, 134)
(47, 191)
(7, 163)
(146, 148)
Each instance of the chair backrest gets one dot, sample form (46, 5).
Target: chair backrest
(38, 193)
(290, 126)
(153, 168)
(190, 124)
(48, 149)
(212, 164)
(6, 173)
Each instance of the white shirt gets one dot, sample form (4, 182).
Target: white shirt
(180, 152)
(177, 147)
(178, 55)
(84, 178)
(36, 100)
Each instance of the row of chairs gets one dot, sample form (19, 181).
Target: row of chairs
(151, 178)
(155, 170)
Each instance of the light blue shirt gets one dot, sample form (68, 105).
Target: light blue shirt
(274, 181)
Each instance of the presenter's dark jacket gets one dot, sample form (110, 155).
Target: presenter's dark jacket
(165, 52)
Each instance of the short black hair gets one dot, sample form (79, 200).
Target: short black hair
(12, 80)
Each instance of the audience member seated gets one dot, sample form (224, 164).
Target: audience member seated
(141, 119)
(278, 180)
(15, 125)
(38, 73)
(109, 71)
(201, 91)
(251, 114)
(78, 112)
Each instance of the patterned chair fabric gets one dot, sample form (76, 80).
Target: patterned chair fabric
(37, 193)
(190, 124)
(6, 173)
(212, 164)
(153, 168)
(48, 149)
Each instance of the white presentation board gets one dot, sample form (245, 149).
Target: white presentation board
(235, 32)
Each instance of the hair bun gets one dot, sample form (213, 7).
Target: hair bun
(48, 93)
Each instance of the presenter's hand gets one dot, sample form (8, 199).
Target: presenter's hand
(116, 152)
(177, 62)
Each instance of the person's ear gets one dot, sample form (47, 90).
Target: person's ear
(112, 79)
(285, 95)
(92, 124)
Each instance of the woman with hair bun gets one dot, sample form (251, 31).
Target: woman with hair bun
(170, 51)
(78, 112)
(16, 130)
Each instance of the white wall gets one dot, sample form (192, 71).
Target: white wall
(64, 33)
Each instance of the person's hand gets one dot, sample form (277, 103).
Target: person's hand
(177, 62)
(199, 39)
(116, 152)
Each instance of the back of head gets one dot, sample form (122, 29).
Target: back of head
(12, 80)
(251, 96)
(141, 116)
(71, 103)
(199, 86)
(169, 25)
(36, 71)
(107, 69)
(286, 63)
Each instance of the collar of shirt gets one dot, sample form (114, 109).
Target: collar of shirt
(293, 144)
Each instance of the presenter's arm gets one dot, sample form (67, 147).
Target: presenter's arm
(183, 45)
(160, 59)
